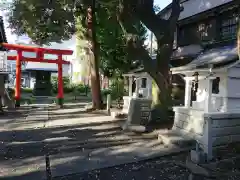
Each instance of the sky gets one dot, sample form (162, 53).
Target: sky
(70, 44)
(162, 3)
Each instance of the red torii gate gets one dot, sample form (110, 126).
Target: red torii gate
(39, 58)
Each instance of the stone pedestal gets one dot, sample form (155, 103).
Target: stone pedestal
(2, 90)
(139, 115)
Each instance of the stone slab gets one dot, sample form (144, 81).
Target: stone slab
(78, 162)
(134, 128)
(66, 164)
(22, 169)
(173, 137)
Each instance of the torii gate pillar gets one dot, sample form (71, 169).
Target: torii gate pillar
(18, 79)
(60, 82)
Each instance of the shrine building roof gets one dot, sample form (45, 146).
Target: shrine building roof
(220, 57)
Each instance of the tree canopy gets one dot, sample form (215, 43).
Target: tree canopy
(47, 21)
(114, 55)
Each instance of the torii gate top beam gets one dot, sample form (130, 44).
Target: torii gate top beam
(39, 58)
(37, 49)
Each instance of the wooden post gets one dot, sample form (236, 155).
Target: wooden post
(149, 86)
(18, 79)
(187, 100)
(60, 82)
(208, 100)
(207, 138)
(109, 104)
(137, 86)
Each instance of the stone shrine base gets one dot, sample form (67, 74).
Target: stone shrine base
(209, 130)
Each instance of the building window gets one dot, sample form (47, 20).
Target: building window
(229, 27)
(187, 35)
(144, 83)
(204, 31)
(215, 85)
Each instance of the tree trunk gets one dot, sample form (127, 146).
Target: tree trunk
(132, 11)
(161, 101)
(94, 72)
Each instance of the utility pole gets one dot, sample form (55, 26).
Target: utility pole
(94, 61)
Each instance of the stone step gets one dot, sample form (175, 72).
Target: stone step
(173, 137)
(40, 148)
(134, 128)
(118, 114)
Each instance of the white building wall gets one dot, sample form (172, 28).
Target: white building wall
(218, 100)
(233, 87)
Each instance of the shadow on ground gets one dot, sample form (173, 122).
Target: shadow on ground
(92, 137)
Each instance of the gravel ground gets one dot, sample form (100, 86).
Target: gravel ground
(164, 168)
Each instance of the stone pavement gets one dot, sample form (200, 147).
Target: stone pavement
(70, 141)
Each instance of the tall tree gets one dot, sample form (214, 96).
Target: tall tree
(94, 63)
(115, 59)
(46, 21)
(55, 21)
(58, 23)
(131, 11)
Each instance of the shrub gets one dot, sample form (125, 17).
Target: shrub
(105, 92)
(116, 89)
(26, 90)
(80, 89)
(54, 82)
(67, 86)
(11, 91)
(178, 93)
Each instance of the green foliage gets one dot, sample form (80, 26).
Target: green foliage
(105, 92)
(80, 89)
(42, 22)
(68, 87)
(58, 20)
(66, 84)
(11, 91)
(27, 90)
(116, 89)
(54, 84)
(114, 55)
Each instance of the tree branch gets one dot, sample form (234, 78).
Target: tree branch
(145, 12)
(132, 11)
(176, 10)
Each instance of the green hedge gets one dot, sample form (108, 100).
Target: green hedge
(68, 87)
(11, 91)
(26, 90)
(116, 90)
